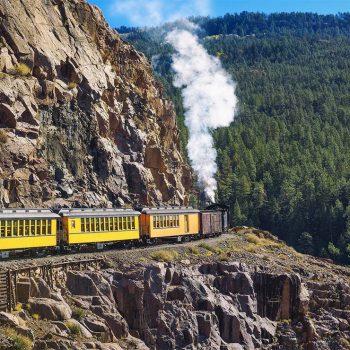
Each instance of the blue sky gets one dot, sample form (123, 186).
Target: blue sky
(153, 12)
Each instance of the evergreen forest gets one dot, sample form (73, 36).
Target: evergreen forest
(284, 163)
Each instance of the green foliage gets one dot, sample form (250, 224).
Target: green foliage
(333, 250)
(72, 85)
(284, 164)
(78, 313)
(305, 243)
(74, 329)
(238, 218)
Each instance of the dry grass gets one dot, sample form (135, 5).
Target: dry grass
(74, 329)
(208, 247)
(3, 136)
(194, 250)
(22, 69)
(18, 307)
(20, 342)
(252, 238)
(251, 248)
(165, 255)
(262, 242)
(224, 256)
(72, 85)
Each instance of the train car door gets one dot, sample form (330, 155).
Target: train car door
(187, 226)
(216, 222)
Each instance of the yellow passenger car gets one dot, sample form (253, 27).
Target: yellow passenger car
(169, 222)
(84, 226)
(27, 228)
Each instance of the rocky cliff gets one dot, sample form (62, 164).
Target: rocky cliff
(217, 295)
(82, 119)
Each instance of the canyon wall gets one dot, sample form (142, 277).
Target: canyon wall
(83, 122)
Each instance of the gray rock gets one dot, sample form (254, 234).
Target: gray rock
(50, 309)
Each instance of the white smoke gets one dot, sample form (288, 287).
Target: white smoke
(209, 101)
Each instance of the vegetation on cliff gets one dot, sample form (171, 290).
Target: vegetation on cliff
(284, 163)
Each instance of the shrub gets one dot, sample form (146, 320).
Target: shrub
(72, 85)
(78, 313)
(164, 255)
(74, 329)
(36, 317)
(3, 136)
(208, 247)
(18, 307)
(333, 250)
(20, 342)
(22, 69)
(223, 256)
(194, 250)
(251, 248)
(252, 238)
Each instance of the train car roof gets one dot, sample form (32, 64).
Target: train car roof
(10, 214)
(169, 210)
(97, 212)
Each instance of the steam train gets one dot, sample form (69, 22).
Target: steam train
(34, 230)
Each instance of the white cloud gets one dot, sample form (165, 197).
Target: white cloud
(155, 12)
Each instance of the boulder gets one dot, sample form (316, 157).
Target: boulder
(79, 283)
(50, 309)
(8, 116)
(83, 330)
(39, 288)
(7, 319)
(99, 329)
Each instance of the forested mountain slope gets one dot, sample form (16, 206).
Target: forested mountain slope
(284, 164)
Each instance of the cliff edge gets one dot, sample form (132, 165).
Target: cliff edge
(241, 291)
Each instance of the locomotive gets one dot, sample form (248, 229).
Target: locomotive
(33, 230)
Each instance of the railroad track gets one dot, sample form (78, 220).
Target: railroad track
(12, 270)
(90, 254)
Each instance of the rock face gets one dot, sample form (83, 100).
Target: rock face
(216, 306)
(82, 119)
(168, 306)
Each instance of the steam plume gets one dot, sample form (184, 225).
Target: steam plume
(209, 101)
